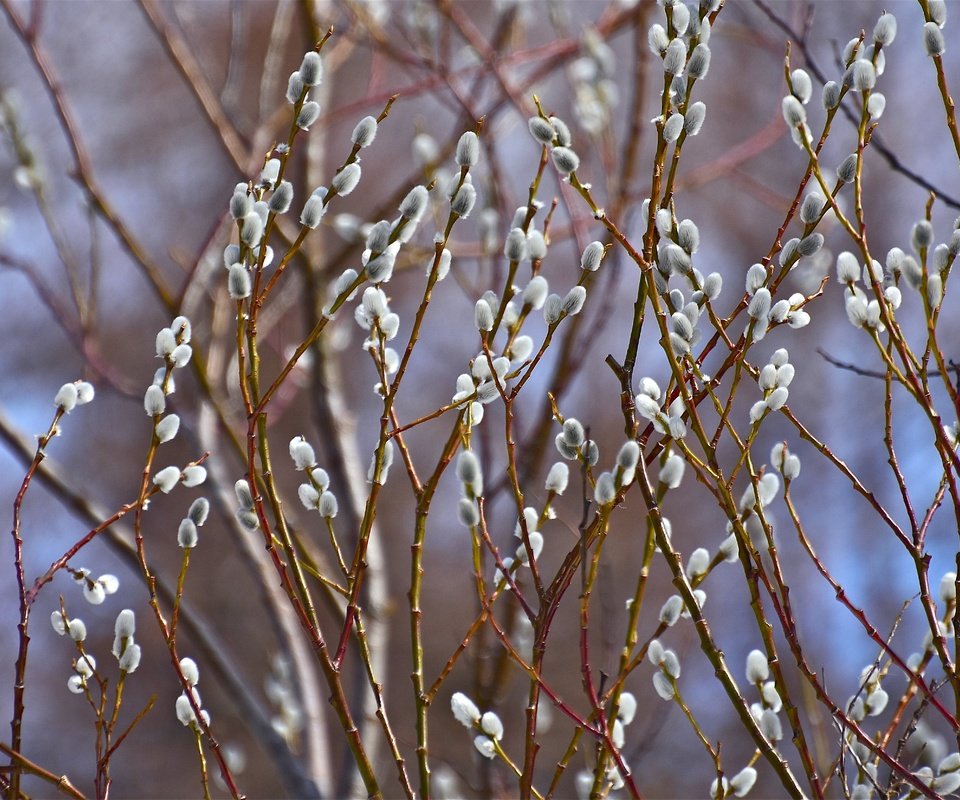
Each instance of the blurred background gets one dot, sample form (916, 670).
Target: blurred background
(126, 127)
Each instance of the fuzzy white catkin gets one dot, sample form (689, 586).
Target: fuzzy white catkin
(515, 248)
(282, 198)
(699, 63)
(933, 41)
(327, 505)
(346, 180)
(199, 510)
(463, 201)
(557, 478)
(565, 160)
(167, 478)
(861, 76)
(464, 710)
(244, 497)
(847, 169)
(414, 203)
(693, 119)
(698, 563)
(605, 491)
(948, 587)
(657, 39)
(574, 300)
(85, 392)
(190, 670)
(743, 781)
(793, 112)
(592, 255)
(187, 535)
(759, 304)
(675, 57)
(154, 401)
(295, 87)
(541, 130)
(309, 496)
(238, 282)
(251, 229)
(491, 725)
(483, 316)
(470, 473)
(552, 309)
(758, 670)
(801, 85)
(126, 624)
(468, 150)
(467, 512)
(66, 398)
(536, 246)
(301, 453)
(535, 293)
(365, 132)
(831, 95)
(194, 475)
(311, 69)
(562, 131)
(673, 127)
(670, 611)
(130, 659)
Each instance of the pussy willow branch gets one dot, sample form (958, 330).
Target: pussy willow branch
(214, 652)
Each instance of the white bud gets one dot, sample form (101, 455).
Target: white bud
(605, 491)
(565, 160)
(675, 57)
(671, 473)
(327, 505)
(190, 670)
(66, 397)
(238, 282)
(166, 479)
(541, 130)
(515, 248)
(154, 401)
(698, 563)
(552, 309)
(743, 781)
(130, 659)
(464, 710)
(167, 428)
(365, 132)
(673, 127)
(801, 85)
(948, 587)
(535, 292)
(468, 150)
(302, 453)
(485, 746)
(627, 708)
(557, 478)
(693, 120)
(311, 69)
(470, 473)
(242, 490)
(345, 181)
(574, 300)
(491, 725)
(757, 668)
(670, 611)
(187, 535)
(793, 112)
(592, 255)
(483, 316)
